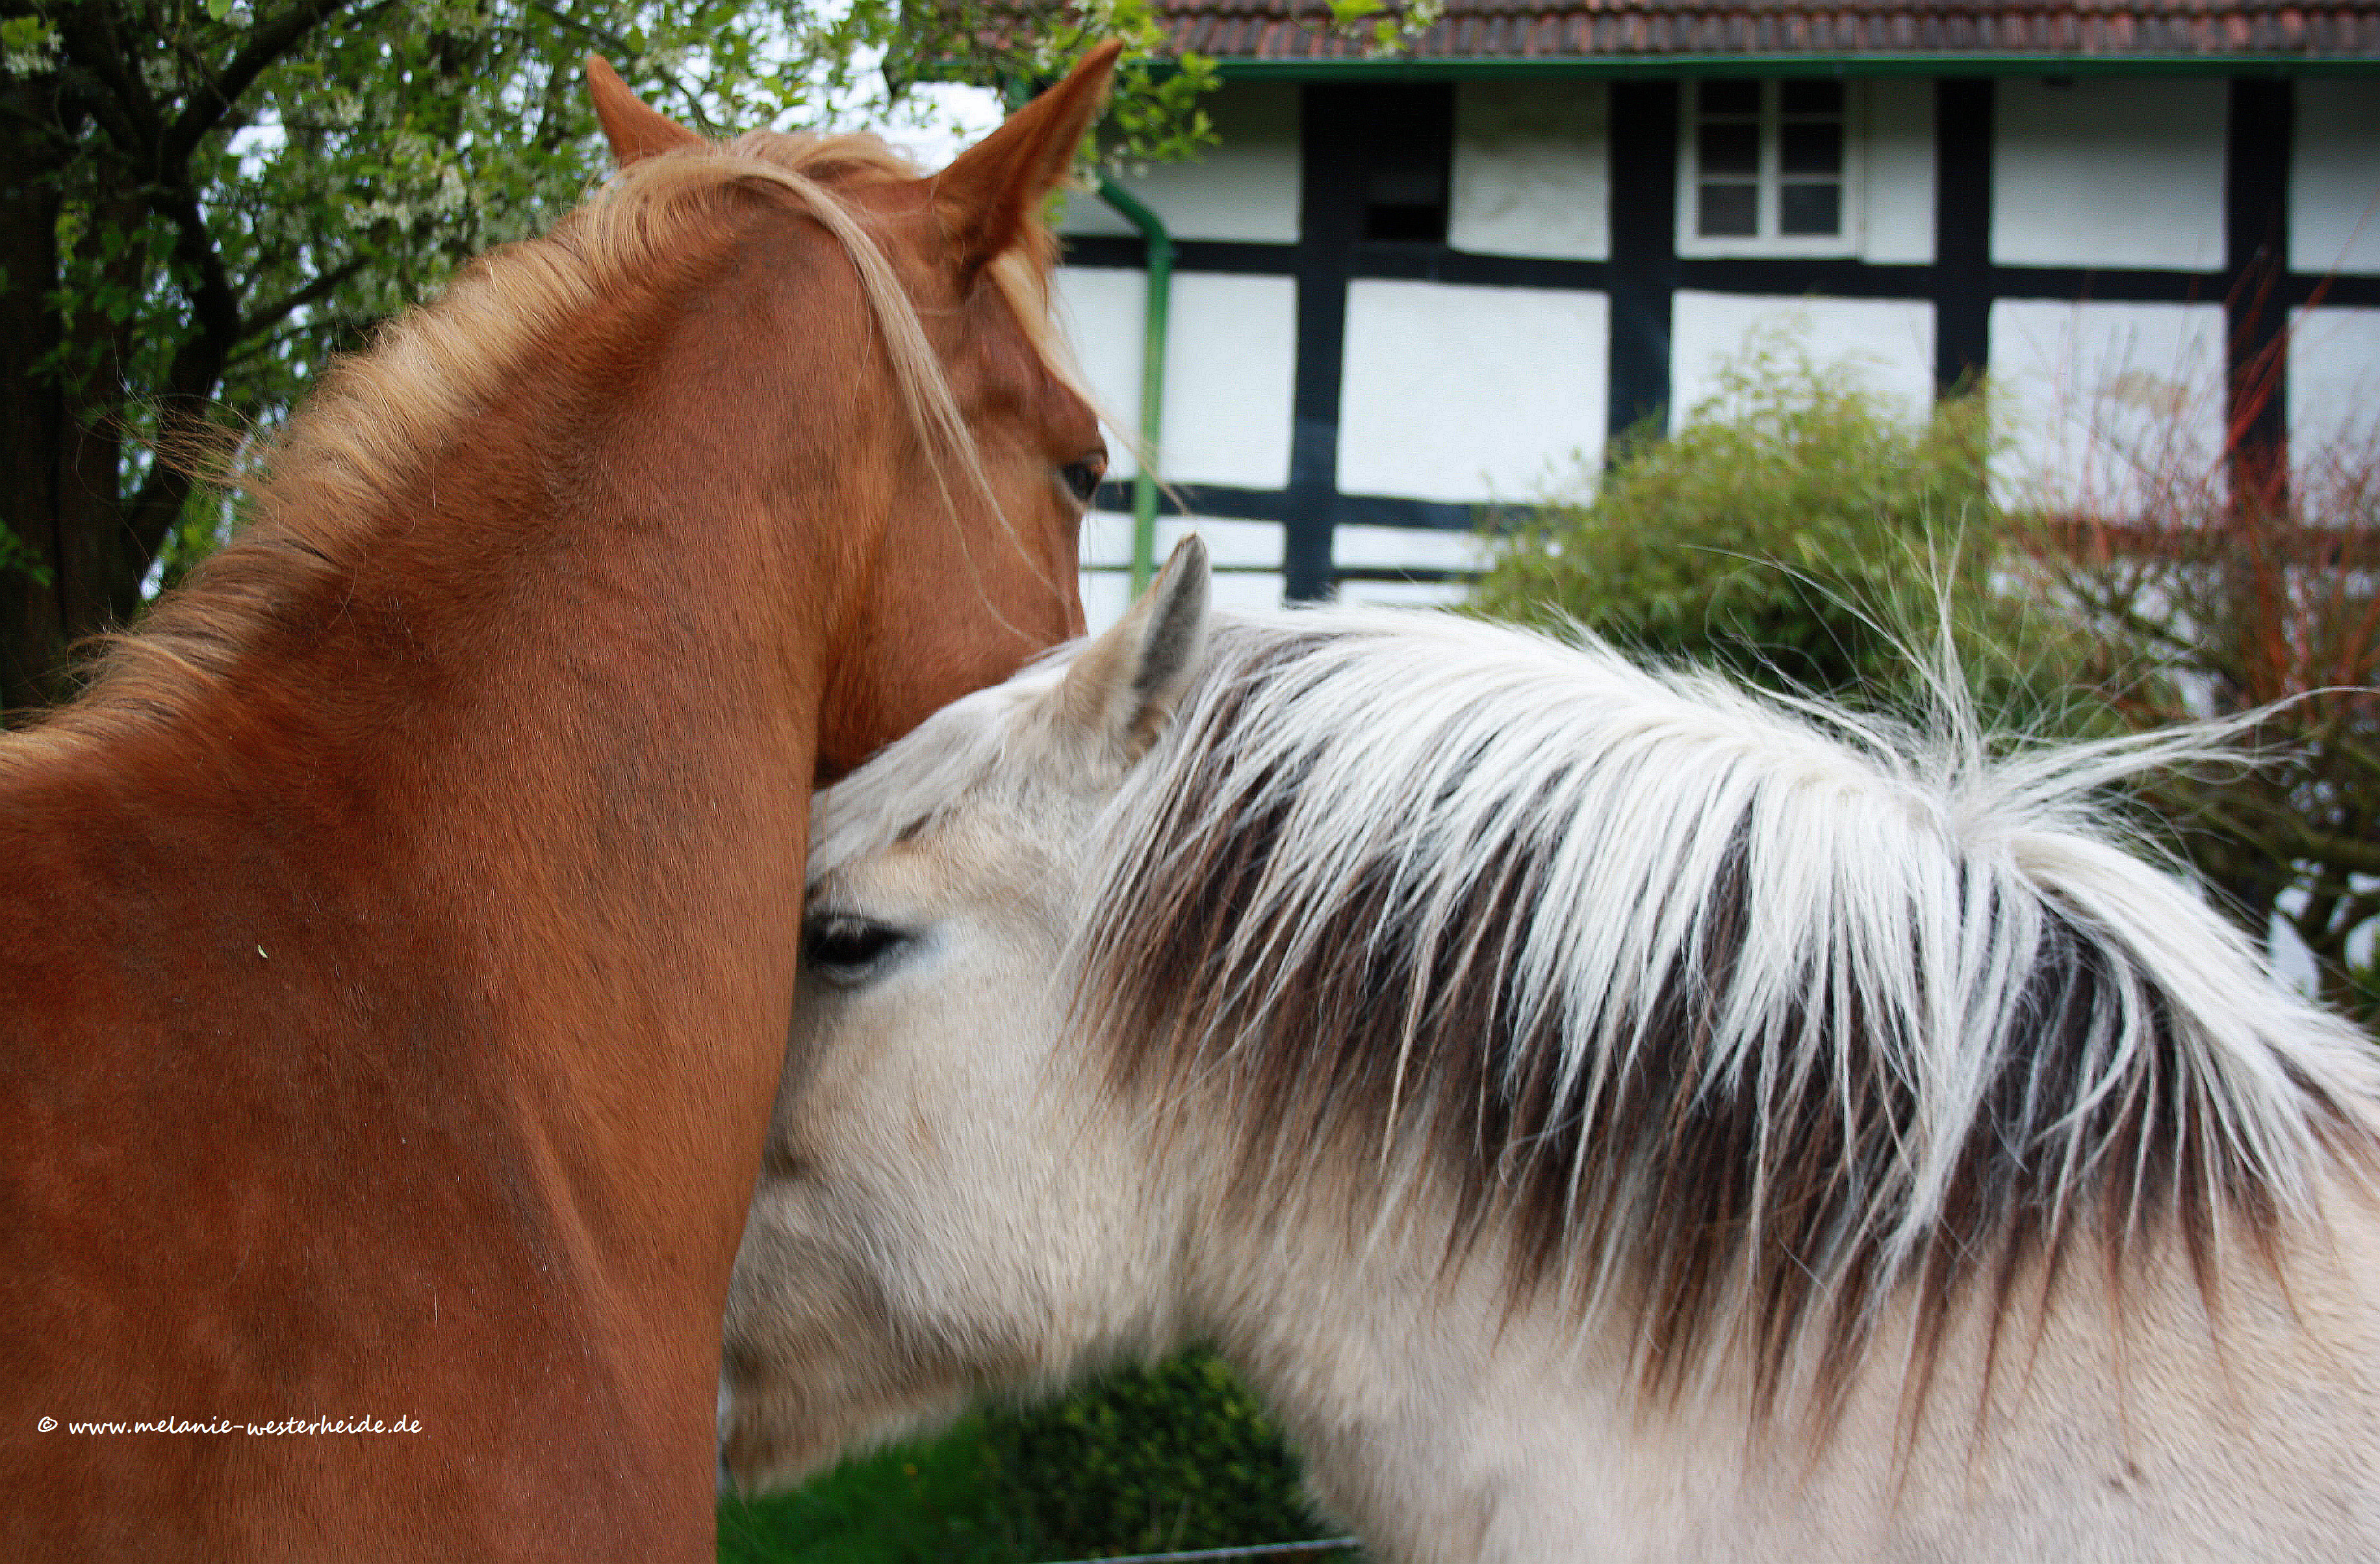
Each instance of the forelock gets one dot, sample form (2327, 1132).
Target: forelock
(953, 756)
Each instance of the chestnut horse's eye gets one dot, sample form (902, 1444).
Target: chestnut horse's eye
(1082, 477)
(843, 949)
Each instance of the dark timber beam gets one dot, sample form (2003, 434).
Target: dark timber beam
(1962, 231)
(1330, 218)
(1644, 269)
(2256, 294)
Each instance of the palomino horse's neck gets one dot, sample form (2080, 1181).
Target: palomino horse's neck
(1441, 1421)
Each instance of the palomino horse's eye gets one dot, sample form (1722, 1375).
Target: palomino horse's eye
(1082, 477)
(842, 949)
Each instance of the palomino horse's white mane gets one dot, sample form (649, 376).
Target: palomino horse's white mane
(1740, 1015)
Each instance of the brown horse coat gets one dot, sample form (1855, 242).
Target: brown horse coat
(397, 943)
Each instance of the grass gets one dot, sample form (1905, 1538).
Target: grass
(932, 1502)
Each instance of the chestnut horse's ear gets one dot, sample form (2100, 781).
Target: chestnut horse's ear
(994, 189)
(1121, 690)
(635, 129)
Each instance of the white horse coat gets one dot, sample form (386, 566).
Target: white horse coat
(1607, 1115)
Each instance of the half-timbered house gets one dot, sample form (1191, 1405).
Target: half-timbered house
(1404, 285)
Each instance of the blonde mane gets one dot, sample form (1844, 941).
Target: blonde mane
(377, 419)
(1731, 1021)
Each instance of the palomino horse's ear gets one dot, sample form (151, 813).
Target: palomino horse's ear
(1122, 687)
(635, 129)
(994, 189)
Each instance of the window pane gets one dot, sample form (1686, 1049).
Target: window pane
(1729, 97)
(1727, 148)
(1728, 211)
(1810, 209)
(1812, 97)
(1408, 140)
(1811, 147)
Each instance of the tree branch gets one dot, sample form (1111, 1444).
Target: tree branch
(268, 40)
(196, 367)
(263, 319)
(613, 44)
(2296, 841)
(134, 125)
(2347, 853)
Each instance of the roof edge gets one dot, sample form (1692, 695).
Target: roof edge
(1407, 67)
(1623, 67)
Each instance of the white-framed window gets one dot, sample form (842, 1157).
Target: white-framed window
(1769, 168)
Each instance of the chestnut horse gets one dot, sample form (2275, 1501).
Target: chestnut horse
(398, 938)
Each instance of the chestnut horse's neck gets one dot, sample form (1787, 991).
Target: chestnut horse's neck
(626, 590)
(476, 864)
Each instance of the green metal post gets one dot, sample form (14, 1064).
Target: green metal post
(1152, 374)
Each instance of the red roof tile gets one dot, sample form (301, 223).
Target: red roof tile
(1287, 31)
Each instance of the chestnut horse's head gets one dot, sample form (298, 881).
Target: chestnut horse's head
(960, 494)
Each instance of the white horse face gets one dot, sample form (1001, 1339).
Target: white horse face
(944, 1202)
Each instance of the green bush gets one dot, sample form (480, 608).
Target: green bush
(1178, 1456)
(1143, 1460)
(1794, 530)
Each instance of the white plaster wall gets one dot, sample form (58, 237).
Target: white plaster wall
(1887, 344)
(1231, 377)
(1464, 393)
(2109, 172)
(1245, 188)
(1900, 201)
(2098, 400)
(1231, 367)
(1099, 309)
(1406, 548)
(1230, 544)
(2335, 178)
(1246, 556)
(2334, 390)
(1531, 170)
(1405, 594)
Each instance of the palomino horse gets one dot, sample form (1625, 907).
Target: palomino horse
(389, 1010)
(1610, 1116)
